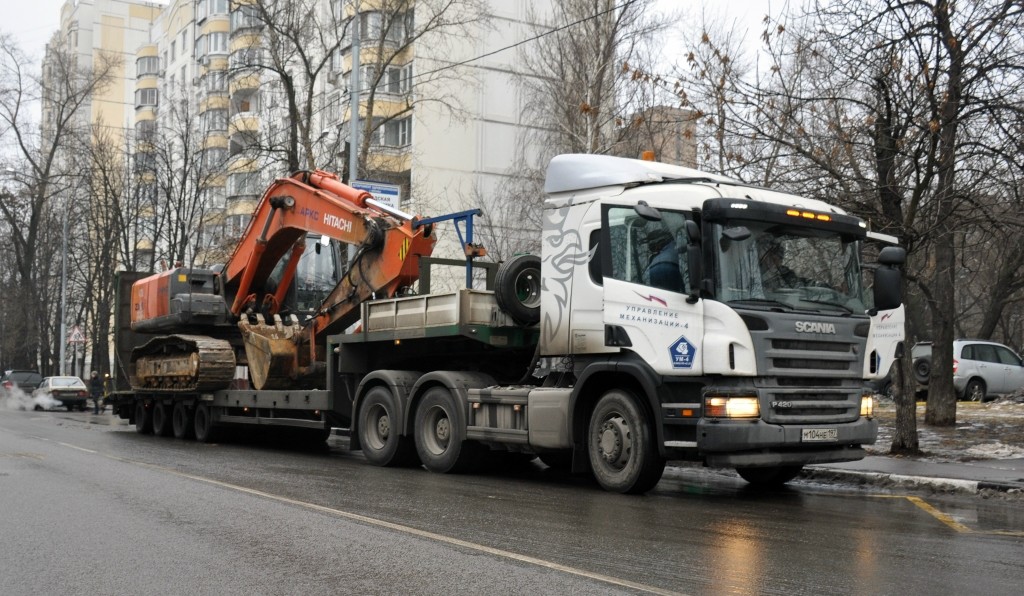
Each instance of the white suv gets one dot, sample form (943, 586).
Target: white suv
(980, 368)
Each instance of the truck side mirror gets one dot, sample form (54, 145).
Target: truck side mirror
(693, 264)
(892, 255)
(888, 285)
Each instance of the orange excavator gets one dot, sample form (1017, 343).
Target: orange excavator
(213, 320)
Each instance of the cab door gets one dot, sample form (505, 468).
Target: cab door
(647, 287)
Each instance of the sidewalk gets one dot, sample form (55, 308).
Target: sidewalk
(1005, 475)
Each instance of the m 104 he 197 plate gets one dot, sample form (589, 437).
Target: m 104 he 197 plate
(808, 435)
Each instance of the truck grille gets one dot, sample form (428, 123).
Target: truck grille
(809, 378)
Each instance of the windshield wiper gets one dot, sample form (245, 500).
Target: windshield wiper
(766, 302)
(828, 303)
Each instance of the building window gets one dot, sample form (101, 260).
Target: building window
(145, 130)
(397, 79)
(242, 183)
(216, 80)
(244, 17)
(397, 133)
(246, 57)
(218, 7)
(149, 65)
(146, 97)
(174, 52)
(201, 11)
(333, 108)
(214, 157)
(215, 119)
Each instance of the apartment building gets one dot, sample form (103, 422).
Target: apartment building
(113, 28)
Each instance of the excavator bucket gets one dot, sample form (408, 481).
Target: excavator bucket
(271, 352)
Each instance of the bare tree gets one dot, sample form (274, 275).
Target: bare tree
(36, 168)
(183, 179)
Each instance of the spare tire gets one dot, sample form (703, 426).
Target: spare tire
(517, 288)
(923, 369)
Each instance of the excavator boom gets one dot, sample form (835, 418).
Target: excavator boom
(280, 350)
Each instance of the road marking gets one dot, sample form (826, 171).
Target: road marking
(942, 517)
(449, 540)
(76, 447)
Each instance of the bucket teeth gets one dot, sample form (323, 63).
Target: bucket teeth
(271, 351)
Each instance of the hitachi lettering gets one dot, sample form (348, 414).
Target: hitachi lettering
(809, 327)
(334, 221)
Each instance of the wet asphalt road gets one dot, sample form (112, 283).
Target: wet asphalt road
(87, 506)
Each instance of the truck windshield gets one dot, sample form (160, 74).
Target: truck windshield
(786, 266)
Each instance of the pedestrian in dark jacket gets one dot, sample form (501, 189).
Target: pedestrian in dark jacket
(96, 391)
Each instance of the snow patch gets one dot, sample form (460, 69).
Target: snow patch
(995, 450)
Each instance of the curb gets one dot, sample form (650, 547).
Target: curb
(904, 481)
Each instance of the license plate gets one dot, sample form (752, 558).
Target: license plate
(819, 434)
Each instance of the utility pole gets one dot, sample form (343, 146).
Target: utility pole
(64, 292)
(353, 92)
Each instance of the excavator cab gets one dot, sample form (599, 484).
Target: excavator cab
(319, 271)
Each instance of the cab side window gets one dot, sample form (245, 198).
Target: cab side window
(651, 253)
(1007, 357)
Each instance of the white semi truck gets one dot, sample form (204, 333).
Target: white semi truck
(672, 315)
(746, 344)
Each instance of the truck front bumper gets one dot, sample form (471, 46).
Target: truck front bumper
(736, 443)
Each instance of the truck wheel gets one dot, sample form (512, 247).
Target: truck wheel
(182, 422)
(770, 476)
(206, 430)
(378, 431)
(143, 418)
(440, 438)
(922, 369)
(621, 446)
(161, 420)
(517, 288)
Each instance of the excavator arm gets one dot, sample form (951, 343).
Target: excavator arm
(279, 349)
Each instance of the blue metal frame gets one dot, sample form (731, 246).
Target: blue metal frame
(460, 216)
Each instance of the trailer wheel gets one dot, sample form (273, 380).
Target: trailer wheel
(182, 422)
(161, 420)
(771, 476)
(206, 430)
(440, 438)
(517, 288)
(621, 446)
(379, 427)
(143, 418)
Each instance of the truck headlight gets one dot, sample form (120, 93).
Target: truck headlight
(732, 407)
(867, 406)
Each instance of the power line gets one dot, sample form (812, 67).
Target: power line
(526, 41)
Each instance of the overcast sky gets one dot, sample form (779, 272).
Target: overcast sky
(34, 21)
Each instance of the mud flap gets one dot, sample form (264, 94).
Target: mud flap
(271, 351)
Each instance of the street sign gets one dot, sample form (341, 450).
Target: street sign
(389, 194)
(75, 336)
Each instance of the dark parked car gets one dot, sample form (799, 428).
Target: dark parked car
(26, 380)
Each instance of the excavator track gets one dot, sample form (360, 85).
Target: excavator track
(183, 363)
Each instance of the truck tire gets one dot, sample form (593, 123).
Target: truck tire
(517, 288)
(143, 418)
(440, 437)
(621, 447)
(182, 422)
(161, 420)
(923, 369)
(379, 427)
(770, 476)
(205, 429)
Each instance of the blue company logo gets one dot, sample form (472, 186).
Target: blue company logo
(682, 353)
